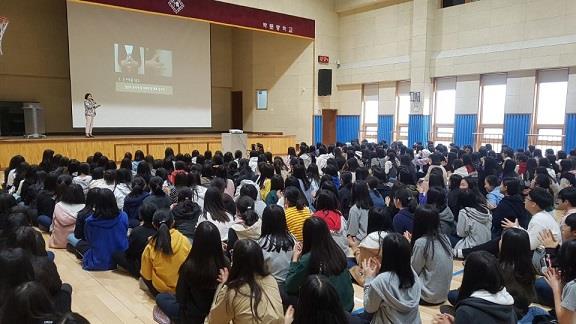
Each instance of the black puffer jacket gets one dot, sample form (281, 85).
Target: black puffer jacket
(186, 215)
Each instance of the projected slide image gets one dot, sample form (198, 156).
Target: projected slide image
(143, 70)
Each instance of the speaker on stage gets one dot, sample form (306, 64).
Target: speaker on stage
(324, 82)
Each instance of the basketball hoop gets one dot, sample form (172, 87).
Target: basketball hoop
(3, 26)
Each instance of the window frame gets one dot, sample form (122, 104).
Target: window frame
(397, 125)
(436, 126)
(363, 125)
(535, 127)
(481, 136)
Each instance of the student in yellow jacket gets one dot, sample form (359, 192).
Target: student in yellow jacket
(164, 254)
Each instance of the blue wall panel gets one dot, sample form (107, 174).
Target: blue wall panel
(570, 142)
(516, 127)
(317, 129)
(385, 128)
(347, 128)
(418, 128)
(464, 129)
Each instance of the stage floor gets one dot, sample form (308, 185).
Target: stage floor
(114, 146)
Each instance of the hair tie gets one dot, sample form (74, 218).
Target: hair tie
(249, 208)
(162, 222)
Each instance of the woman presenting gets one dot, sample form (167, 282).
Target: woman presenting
(90, 112)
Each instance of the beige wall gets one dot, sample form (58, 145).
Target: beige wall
(35, 65)
(504, 35)
(377, 44)
(325, 43)
(283, 66)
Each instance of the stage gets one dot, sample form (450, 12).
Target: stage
(114, 146)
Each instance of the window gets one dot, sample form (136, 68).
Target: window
(369, 130)
(444, 110)
(550, 110)
(493, 101)
(402, 111)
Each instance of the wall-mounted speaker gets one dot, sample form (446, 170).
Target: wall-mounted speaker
(324, 82)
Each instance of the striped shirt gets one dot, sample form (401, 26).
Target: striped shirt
(295, 220)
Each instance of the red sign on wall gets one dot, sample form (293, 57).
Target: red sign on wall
(323, 59)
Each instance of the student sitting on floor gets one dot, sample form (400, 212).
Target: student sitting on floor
(392, 289)
(198, 278)
(130, 259)
(65, 215)
(164, 254)
(247, 225)
(134, 200)
(248, 291)
(215, 212)
(105, 233)
(319, 254)
(277, 244)
(482, 298)
(431, 256)
(319, 303)
(186, 214)
(563, 283)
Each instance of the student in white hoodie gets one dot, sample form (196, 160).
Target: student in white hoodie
(392, 289)
(83, 178)
(215, 212)
(122, 188)
(247, 224)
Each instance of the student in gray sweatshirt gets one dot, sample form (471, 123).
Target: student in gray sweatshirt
(474, 222)
(358, 215)
(431, 256)
(392, 289)
(437, 197)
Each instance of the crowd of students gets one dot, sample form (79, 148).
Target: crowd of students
(220, 237)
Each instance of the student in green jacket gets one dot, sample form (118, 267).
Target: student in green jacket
(320, 254)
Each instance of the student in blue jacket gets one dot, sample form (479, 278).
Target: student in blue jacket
(106, 231)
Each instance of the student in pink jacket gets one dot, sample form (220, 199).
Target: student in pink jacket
(65, 213)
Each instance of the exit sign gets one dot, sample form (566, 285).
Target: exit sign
(322, 59)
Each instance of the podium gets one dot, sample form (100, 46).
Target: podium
(232, 142)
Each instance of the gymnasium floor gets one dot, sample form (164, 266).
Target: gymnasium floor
(108, 297)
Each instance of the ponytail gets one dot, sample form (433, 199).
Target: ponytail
(407, 199)
(163, 221)
(246, 212)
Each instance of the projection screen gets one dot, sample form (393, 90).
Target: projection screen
(145, 70)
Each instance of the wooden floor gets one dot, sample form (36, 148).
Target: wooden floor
(108, 297)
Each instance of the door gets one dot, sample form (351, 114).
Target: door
(237, 120)
(329, 126)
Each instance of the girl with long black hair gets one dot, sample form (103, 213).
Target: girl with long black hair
(563, 283)
(319, 303)
(482, 297)
(248, 293)
(277, 243)
(319, 254)
(392, 288)
(105, 231)
(517, 269)
(474, 221)
(358, 215)
(215, 212)
(198, 279)
(164, 254)
(431, 255)
(406, 202)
